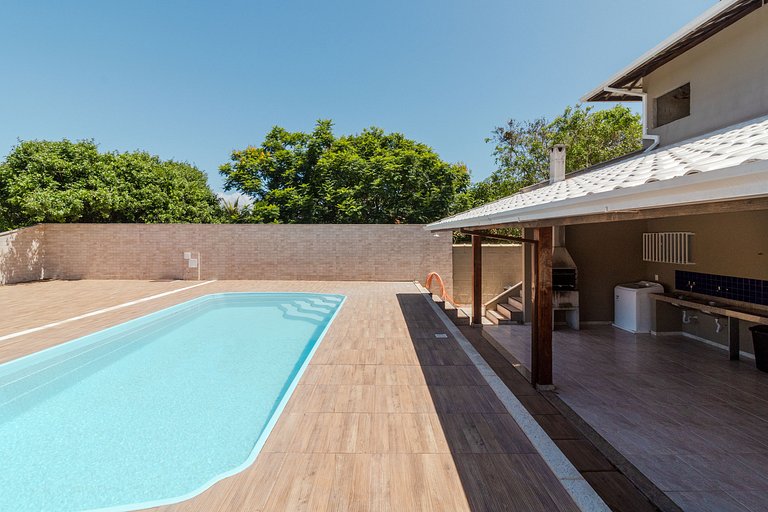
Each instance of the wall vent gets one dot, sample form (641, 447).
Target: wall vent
(669, 247)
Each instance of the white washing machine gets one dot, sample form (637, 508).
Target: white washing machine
(632, 305)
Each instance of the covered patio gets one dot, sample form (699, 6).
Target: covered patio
(689, 420)
(681, 416)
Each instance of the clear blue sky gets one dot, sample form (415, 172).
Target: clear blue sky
(193, 80)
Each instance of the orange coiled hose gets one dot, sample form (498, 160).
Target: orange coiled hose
(443, 294)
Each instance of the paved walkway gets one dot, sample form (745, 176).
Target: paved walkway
(693, 422)
(386, 417)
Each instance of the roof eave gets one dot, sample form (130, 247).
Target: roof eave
(738, 182)
(643, 65)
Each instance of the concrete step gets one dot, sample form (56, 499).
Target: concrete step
(496, 318)
(517, 302)
(461, 318)
(510, 312)
(456, 315)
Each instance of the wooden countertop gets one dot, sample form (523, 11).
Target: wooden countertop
(714, 306)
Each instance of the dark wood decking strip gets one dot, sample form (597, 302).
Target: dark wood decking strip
(608, 480)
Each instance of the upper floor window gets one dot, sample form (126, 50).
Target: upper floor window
(673, 105)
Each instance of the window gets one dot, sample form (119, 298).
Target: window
(674, 105)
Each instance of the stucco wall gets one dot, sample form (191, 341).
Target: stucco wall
(606, 254)
(502, 265)
(21, 255)
(727, 73)
(309, 252)
(732, 244)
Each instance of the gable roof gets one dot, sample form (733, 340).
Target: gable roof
(727, 164)
(710, 22)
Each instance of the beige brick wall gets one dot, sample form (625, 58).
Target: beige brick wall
(502, 265)
(246, 251)
(21, 255)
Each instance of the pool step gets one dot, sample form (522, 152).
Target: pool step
(294, 311)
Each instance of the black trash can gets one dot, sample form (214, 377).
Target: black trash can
(760, 339)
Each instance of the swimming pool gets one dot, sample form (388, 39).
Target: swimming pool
(157, 409)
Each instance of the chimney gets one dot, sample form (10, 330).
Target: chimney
(557, 163)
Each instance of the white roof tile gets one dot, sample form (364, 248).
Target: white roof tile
(729, 147)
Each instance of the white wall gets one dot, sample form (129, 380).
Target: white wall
(21, 255)
(728, 75)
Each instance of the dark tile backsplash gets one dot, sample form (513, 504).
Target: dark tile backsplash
(727, 287)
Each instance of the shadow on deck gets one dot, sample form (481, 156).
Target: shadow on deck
(498, 466)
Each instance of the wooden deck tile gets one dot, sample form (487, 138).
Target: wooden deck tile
(537, 405)
(485, 433)
(511, 476)
(452, 375)
(408, 433)
(583, 455)
(343, 398)
(403, 399)
(466, 399)
(557, 427)
(617, 496)
(399, 375)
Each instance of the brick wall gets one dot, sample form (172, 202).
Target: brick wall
(246, 251)
(502, 265)
(21, 255)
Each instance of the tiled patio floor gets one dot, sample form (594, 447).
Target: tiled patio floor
(695, 423)
(386, 417)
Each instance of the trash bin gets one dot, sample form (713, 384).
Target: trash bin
(760, 339)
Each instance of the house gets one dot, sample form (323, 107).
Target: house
(689, 211)
(704, 170)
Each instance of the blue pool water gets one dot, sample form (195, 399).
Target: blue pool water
(156, 409)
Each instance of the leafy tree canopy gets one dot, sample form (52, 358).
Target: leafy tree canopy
(521, 148)
(371, 177)
(233, 212)
(64, 181)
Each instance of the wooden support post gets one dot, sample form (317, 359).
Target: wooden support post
(535, 314)
(477, 280)
(541, 355)
(528, 280)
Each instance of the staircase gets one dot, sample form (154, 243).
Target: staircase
(456, 315)
(507, 307)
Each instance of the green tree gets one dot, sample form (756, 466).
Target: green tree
(521, 148)
(64, 181)
(371, 177)
(233, 212)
